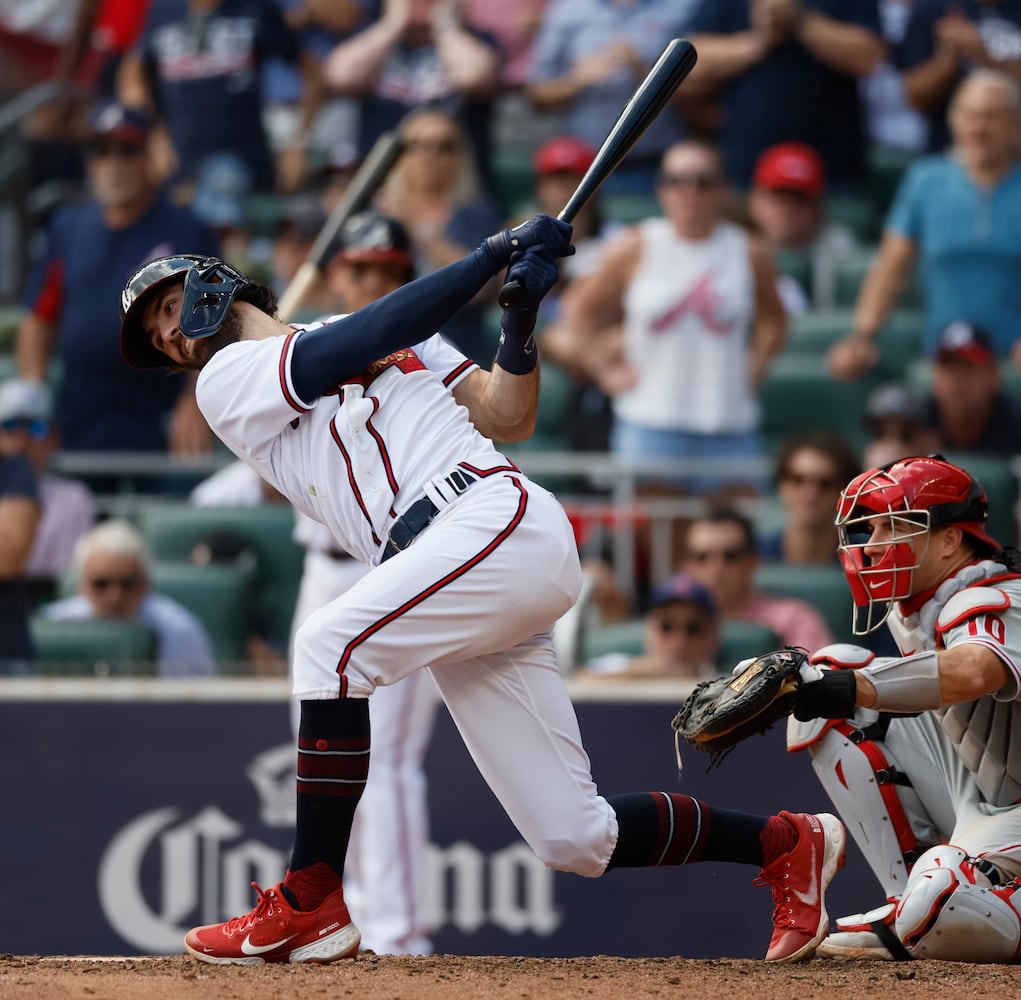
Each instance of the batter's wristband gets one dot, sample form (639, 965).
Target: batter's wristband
(516, 353)
(832, 697)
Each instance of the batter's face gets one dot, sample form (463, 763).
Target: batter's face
(161, 324)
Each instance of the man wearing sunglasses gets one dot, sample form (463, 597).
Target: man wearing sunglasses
(87, 251)
(680, 639)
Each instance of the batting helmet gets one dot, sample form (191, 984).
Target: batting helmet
(371, 238)
(210, 286)
(916, 495)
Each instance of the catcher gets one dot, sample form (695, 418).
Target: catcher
(922, 749)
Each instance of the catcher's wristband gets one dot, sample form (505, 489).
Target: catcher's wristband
(831, 697)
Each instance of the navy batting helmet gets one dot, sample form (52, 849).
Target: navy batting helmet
(372, 238)
(210, 286)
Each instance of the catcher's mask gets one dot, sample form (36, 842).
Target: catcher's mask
(210, 287)
(910, 497)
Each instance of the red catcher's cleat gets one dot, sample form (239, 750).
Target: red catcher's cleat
(799, 879)
(275, 932)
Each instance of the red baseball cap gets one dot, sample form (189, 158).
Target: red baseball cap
(564, 154)
(965, 340)
(791, 166)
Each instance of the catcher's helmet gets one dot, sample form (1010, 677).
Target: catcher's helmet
(917, 495)
(210, 286)
(372, 238)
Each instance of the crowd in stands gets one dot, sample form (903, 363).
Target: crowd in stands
(833, 198)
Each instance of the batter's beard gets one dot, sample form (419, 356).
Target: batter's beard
(229, 333)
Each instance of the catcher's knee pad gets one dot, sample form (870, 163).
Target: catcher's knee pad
(875, 800)
(949, 911)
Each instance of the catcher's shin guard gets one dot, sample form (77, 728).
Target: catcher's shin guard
(875, 800)
(949, 911)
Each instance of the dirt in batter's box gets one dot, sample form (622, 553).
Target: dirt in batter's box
(448, 977)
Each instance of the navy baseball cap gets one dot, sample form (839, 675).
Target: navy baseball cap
(681, 588)
(967, 341)
(109, 118)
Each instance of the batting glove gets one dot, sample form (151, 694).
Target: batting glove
(540, 230)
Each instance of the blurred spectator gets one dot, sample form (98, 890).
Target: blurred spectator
(420, 52)
(373, 257)
(300, 222)
(587, 59)
(722, 554)
(223, 189)
(787, 205)
(198, 64)
(681, 638)
(32, 36)
(944, 40)
(892, 122)
(680, 321)
(968, 408)
(73, 292)
(787, 70)
(514, 27)
(559, 165)
(811, 469)
(897, 421)
(959, 216)
(320, 26)
(19, 520)
(111, 570)
(68, 511)
(335, 173)
(433, 190)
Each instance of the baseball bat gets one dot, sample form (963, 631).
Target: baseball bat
(383, 155)
(674, 64)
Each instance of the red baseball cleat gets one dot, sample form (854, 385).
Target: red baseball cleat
(799, 879)
(275, 932)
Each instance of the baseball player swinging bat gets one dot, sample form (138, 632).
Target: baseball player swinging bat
(383, 155)
(674, 64)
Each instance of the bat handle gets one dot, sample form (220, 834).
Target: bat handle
(512, 295)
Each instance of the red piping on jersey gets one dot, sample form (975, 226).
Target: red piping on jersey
(457, 371)
(351, 479)
(291, 401)
(906, 839)
(349, 649)
(390, 478)
(482, 473)
(50, 301)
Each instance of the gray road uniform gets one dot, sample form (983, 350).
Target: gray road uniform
(934, 800)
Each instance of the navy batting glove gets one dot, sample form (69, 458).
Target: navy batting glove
(542, 230)
(537, 272)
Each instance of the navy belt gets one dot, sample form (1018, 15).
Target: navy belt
(420, 514)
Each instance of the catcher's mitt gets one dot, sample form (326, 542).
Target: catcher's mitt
(721, 713)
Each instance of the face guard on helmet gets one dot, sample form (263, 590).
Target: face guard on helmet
(210, 287)
(896, 504)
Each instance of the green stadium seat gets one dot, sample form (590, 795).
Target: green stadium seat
(94, 648)
(857, 212)
(900, 341)
(738, 640)
(172, 529)
(796, 265)
(743, 639)
(628, 209)
(514, 179)
(884, 169)
(850, 271)
(219, 595)
(798, 392)
(824, 587)
(10, 320)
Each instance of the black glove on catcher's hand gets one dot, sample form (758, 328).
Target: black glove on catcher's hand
(721, 713)
(540, 230)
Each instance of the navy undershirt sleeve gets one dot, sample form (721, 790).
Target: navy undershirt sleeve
(337, 351)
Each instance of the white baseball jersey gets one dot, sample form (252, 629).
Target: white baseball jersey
(473, 597)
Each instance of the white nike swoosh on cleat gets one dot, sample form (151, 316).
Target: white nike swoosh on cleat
(247, 948)
(811, 897)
